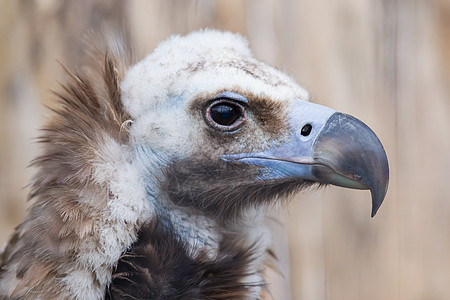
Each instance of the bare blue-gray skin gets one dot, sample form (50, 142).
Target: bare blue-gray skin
(327, 147)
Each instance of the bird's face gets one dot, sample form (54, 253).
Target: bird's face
(226, 131)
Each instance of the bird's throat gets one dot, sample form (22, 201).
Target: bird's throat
(197, 231)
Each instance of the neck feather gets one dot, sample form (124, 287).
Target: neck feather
(88, 201)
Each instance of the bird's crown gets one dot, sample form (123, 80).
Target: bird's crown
(202, 63)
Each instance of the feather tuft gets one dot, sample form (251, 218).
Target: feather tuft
(69, 208)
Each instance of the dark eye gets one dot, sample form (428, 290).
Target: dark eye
(225, 115)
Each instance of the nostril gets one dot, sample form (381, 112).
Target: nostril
(306, 130)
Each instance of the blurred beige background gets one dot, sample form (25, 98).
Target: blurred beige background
(386, 62)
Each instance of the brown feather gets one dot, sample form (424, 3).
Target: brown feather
(44, 247)
(161, 266)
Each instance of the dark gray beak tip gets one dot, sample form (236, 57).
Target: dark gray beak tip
(378, 194)
(354, 156)
(376, 203)
(379, 181)
(374, 209)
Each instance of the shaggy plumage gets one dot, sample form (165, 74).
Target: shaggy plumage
(73, 212)
(141, 194)
(161, 266)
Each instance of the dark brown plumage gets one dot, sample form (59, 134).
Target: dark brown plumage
(161, 266)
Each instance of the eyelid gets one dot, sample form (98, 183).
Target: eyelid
(232, 96)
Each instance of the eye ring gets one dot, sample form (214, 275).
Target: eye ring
(225, 115)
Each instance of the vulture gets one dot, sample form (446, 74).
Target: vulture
(155, 176)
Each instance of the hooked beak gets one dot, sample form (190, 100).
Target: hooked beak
(327, 147)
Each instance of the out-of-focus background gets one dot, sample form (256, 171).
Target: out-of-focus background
(386, 62)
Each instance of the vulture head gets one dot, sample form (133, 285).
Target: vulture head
(155, 177)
